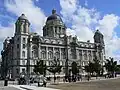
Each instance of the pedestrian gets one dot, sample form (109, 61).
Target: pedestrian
(44, 82)
(88, 77)
(6, 81)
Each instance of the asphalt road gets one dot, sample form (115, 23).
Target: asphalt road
(113, 84)
(8, 88)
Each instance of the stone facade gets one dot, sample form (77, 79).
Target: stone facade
(25, 48)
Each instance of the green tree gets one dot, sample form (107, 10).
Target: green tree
(111, 66)
(97, 67)
(55, 67)
(40, 68)
(75, 69)
(94, 66)
(89, 68)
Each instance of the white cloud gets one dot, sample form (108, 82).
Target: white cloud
(107, 26)
(85, 21)
(6, 32)
(70, 32)
(17, 7)
(86, 3)
(34, 14)
(68, 8)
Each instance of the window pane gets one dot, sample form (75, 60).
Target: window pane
(24, 40)
(23, 54)
(23, 45)
(17, 45)
(17, 71)
(23, 62)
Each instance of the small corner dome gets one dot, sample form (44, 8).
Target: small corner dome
(22, 17)
(54, 16)
(98, 32)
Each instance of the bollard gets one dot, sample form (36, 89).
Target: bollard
(6, 82)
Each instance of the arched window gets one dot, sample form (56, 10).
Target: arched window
(85, 56)
(80, 55)
(35, 51)
(90, 57)
(73, 53)
(63, 55)
(50, 55)
(43, 54)
(57, 55)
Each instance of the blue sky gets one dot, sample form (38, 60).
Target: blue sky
(82, 17)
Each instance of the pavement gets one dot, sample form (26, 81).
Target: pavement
(13, 86)
(27, 87)
(103, 84)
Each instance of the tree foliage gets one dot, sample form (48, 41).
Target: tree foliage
(40, 67)
(75, 69)
(97, 66)
(94, 66)
(111, 65)
(55, 67)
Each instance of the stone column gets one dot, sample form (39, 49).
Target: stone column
(87, 56)
(60, 53)
(53, 31)
(46, 53)
(53, 52)
(91, 55)
(77, 54)
(82, 57)
(69, 57)
(39, 51)
(30, 51)
(57, 32)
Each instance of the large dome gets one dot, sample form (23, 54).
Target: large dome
(54, 16)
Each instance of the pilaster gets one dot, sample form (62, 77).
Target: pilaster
(60, 53)
(39, 51)
(46, 53)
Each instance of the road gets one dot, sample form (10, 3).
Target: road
(113, 84)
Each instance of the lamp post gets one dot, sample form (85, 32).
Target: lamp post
(66, 62)
(28, 61)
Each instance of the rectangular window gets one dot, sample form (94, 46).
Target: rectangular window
(17, 71)
(23, 53)
(23, 69)
(59, 29)
(24, 40)
(55, 29)
(17, 39)
(23, 62)
(17, 54)
(23, 46)
(17, 62)
(18, 46)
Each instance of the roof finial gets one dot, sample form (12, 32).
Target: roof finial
(53, 11)
(23, 14)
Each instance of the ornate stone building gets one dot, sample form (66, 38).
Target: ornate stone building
(21, 52)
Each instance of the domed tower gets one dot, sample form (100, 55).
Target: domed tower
(22, 25)
(54, 26)
(98, 37)
(99, 45)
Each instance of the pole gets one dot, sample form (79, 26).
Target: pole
(28, 63)
(66, 63)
